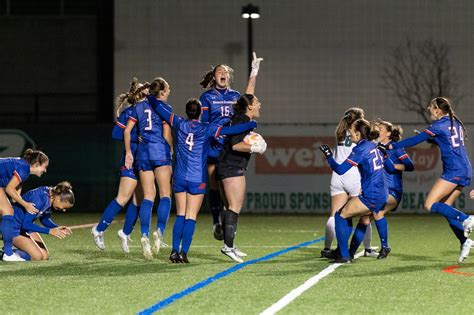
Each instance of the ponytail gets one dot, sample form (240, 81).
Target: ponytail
(350, 115)
(134, 94)
(63, 190)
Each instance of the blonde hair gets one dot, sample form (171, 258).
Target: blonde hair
(136, 92)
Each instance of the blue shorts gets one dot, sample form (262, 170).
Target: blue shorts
(374, 206)
(150, 165)
(397, 194)
(463, 181)
(131, 173)
(181, 185)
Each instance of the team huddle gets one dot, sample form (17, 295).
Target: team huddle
(376, 186)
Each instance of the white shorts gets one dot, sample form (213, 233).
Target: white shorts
(348, 183)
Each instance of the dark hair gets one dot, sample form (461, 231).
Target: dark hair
(366, 129)
(208, 78)
(445, 105)
(240, 107)
(350, 115)
(395, 131)
(157, 85)
(134, 94)
(35, 156)
(193, 108)
(63, 190)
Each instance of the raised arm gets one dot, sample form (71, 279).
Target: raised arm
(409, 142)
(336, 167)
(253, 75)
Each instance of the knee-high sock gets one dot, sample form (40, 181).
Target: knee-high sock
(23, 254)
(7, 232)
(382, 228)
(215, 203)
(368, 236)
(188, 232)
(458, 229)
(342, 234)
(131, 217)
(230, 226)
(145, 216)
(357, 237)
(448, 211)
(109, 214)
(178, 232)
(330, 232)
(163, 212)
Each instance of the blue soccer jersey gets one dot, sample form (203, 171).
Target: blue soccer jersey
(394, 180)
(10, 167)
(25, 220)
(153, 146)
(121, 124)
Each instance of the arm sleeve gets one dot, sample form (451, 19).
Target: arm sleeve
(339, 168)
(405, 159)
(48, 222)
(389, 166)
(236, 129)
(205, 108)
(117, 132)
(168, 116)
(28, 224)
(409, 142)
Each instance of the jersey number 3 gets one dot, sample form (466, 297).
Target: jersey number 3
(148, 119)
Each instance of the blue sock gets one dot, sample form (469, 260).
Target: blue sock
(145, 216)
(458, 229)
(23, 254)
(130, 218)
(7, 231)
(357, 238)
(108, 216)
(188, 232)
(163, 212)
(382, 228)
(216, 204)
(342, 235)
(448, 211)
(178, 232)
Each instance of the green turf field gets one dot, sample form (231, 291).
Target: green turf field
(79, 279)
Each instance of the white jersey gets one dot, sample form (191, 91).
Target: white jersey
(348, 183)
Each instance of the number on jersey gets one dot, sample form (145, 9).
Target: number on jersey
(377, 160)
(190, 141)
(148, 119)
(457, 137)
(225, 111)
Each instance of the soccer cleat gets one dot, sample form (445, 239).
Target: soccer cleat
(98, 238)
(465, 249)
(230, 252)
(146, 248)
(218, 232)
(369, 252)
(175, 258)
(124, 238)
(239, 252)
(341, 260)
(157, 241)
(326, 253)
(184, 257)
(384, 251)
(468, 225)
(13, 257)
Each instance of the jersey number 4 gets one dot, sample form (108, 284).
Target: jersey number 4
(377, 160)
(457, 138)
(190, 141)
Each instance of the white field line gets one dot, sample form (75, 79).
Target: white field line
(290, 297)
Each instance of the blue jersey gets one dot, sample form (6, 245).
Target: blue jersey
(217, 105)
(42, 200)
(121, 124)
(153, 146)
(369, 161)
(10, 167)
(394, 180)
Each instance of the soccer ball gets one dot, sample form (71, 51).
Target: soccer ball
(253, 138)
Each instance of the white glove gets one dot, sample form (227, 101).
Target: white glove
(255, 65)
(259, 147)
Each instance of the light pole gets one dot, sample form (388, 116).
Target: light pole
(250, 12)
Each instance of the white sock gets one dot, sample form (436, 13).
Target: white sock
(330, 232)
(368, 236)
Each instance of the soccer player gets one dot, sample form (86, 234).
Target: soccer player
(13, 172)
(447, 132)
(190, 174)
(373, 197)
(346, 186)
(217, 107)
(128, 185)
(231, 169)
(25, 232)
(153, 161)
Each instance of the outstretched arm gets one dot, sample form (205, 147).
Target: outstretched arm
(253, 74)
(164, 113)
(236, 129)
(409, 142)
(336, 167)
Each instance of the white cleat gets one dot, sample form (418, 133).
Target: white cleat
(98, 238)
(465, 249)
(230, 252)
(157, 241)
(124, 238)
(370, 252)
(468, 225)
(146, 248)
(239, 252)
(13, 257)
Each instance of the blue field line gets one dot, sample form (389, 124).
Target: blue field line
(173, 298)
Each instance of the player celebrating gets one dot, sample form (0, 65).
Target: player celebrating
(190, 174)
(447, 132)
(373, 197)
(13, 172)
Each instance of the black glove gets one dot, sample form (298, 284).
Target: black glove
(383, 149)
(326, 150)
